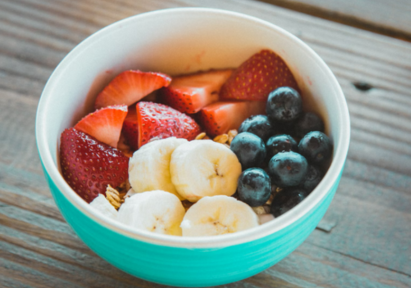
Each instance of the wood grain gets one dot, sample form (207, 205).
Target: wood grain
(364, 237)
(385, 17)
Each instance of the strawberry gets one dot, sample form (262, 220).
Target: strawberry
(104, 124)
(158, 121)
(130, 86)
(257, 77)
(130, 128)
(89, 165)
(190, 93)
(220, 117)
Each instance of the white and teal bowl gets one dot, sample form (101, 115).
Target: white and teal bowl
(176, 41)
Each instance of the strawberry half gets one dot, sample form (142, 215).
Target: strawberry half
(89, 166)
(220, 117)
(104, 124)
(190, 93)
(158, 121)
(130, 86)
(130, 128)
(257, 77)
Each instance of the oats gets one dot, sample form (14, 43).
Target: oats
(124, 187)
(200, 136)
(113, 197)
(223, 138)
(259, 210)
(270, 200)
(231, 135)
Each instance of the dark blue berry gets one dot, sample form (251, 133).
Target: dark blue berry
(287, 199)
(254, 187)
(312, 178)
(287, 169)
(308, 122)
(258, 125)
(250, 150)
(285, 127)
(284, 104)
(316, 147)
(280, 143)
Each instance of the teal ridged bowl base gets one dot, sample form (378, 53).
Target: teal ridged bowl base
(189, 267)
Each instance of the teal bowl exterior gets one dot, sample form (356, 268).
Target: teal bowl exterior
(171, 260)
(190, 267)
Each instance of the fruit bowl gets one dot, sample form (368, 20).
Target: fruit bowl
(176, 41)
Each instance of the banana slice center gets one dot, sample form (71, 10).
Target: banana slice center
(217, 172)
(159, 225)
(219, 226)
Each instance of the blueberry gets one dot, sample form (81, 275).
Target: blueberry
(284, 104)
(312, 178)
(280, 143)
(285, 127)
(250, 150)
(258, 125)
(254, 187)
(308, 122)
(316, 147)
(287, 199)
(287, 169)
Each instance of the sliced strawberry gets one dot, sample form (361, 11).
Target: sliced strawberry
(158, 121)
(257, 77)
(89, 165)
(104, 124)
(130, 128)
(130, 86)
(220, 117)
(190, 93)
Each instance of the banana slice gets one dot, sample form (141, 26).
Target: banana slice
(155, 211)
(101, 204)
(149, 168)
(218, 215)
(202, 168)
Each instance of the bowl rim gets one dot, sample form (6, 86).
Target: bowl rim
(318, 194)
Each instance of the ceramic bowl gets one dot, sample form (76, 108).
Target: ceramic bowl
(176, 41)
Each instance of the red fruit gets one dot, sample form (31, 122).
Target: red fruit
(158, 121)
(89, 166)
(190, 93)
(130, 86)
(104, 124)
(257, 77)
(130, 128)
(220, 117)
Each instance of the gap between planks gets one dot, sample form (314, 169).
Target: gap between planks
(344, 15)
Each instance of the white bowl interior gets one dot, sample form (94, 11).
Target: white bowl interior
(176, 41)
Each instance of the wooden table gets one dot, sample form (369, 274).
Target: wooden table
(364, 239)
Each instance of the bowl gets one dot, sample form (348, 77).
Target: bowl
(176, 41)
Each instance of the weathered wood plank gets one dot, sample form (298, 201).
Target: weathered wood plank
(66, 272)
(382, 16)
(28, 276)
(365, 229)
(71, 257)
(11, 283)
(25, 226)
(325, 268)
